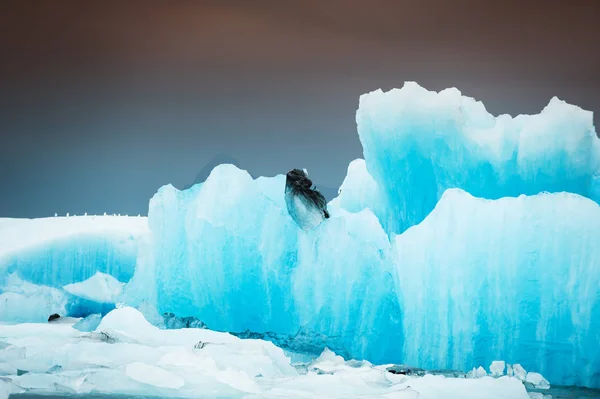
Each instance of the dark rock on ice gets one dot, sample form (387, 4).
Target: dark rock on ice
(305, 204)
(53, 317)
(406, 370)
(414, 371)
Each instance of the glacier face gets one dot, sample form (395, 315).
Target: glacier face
(418, 143)
(431, 256)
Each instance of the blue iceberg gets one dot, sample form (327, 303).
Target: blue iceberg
(516, 279)
(460, 239)
(418, 143)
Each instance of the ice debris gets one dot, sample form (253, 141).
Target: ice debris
(497, 368)
(537, 380)
(89, 323)
(164, 363)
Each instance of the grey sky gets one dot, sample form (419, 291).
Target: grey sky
(101, 103)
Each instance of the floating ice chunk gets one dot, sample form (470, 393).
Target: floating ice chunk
(480, 372)
(160, 361)
(497, 368)
(10, 352)
(328, 362)
(8, 388)
(101, 287)
(509, 370)
(519, 372)
(22, 301)
(537, 380)
(89, 323)
(153, 375)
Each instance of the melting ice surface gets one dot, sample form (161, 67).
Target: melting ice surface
(461, 239)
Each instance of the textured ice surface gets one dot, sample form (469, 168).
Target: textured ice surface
(101, 287)
(246, 265)
(471, 271)
(497, 368)
(537, 380)
(153, 376)
(21, 301)
(40, 256)
(358, 191)
(477, 269)
(438, 297)
(89, 323)
(418, 143)
(519, 372)
(148, 361)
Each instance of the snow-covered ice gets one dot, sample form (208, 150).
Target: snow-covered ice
(537, 380)
(142, 359)
(519, 372)
(57, 251)
(497, 368)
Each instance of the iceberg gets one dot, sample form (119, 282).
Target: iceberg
(514, 279)
(460, 239)
(418, 143)
(248, 266)
(436, 296)
(22, 301)
(41, 253)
